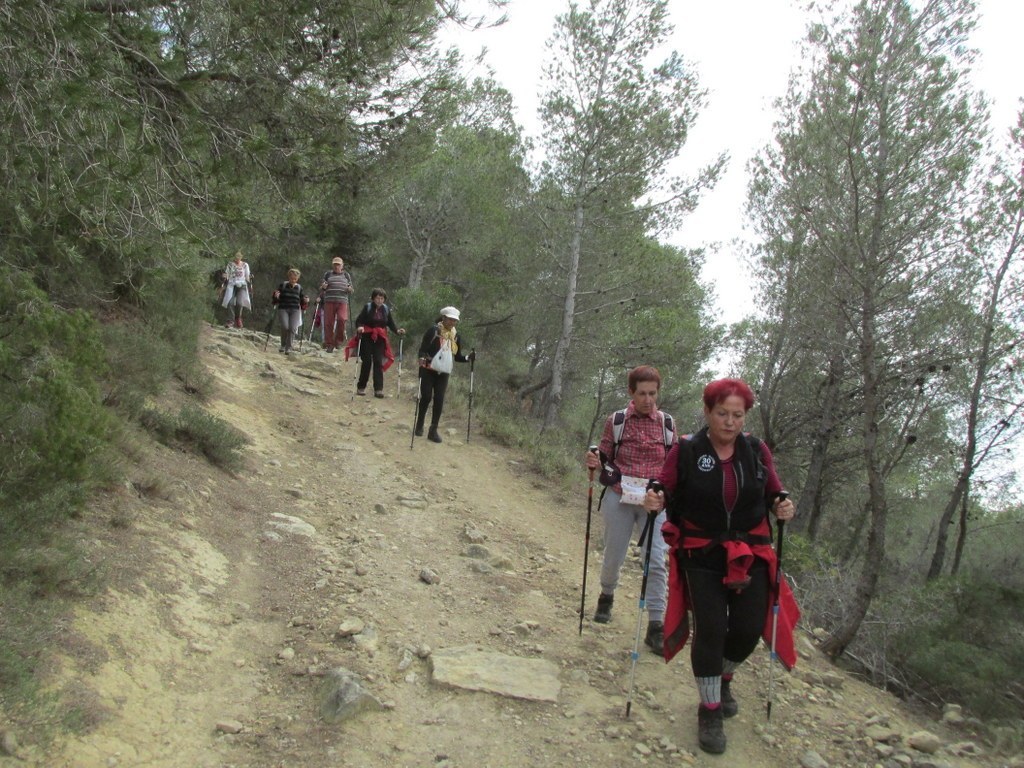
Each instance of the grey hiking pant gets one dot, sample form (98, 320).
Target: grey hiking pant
(291, 322)
(620, 521)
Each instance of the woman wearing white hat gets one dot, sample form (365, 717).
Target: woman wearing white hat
(440, 346)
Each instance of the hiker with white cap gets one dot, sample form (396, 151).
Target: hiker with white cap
(441, 346)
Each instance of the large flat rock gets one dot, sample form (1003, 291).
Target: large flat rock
(475, 669)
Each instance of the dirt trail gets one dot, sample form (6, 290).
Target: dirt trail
(218, 619)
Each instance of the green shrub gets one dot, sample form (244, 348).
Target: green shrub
(54, 431)
(964, 643)
(197, 430)
(217, 440)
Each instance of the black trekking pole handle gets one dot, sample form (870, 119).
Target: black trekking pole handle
(648, 530)
(780, 496)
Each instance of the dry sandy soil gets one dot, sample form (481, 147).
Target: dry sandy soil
(214, 620)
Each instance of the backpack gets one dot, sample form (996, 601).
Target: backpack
(610, 474)
(619, 424)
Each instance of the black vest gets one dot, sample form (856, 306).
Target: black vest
(698, 497)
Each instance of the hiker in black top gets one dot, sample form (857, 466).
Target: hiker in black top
(372, 341)
(720, 486)
(291, 302)
(434, 383)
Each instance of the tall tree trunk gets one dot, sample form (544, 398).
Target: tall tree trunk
(981, 372)
(867, 583)
(598, 407)
(870, 376)
(961, 540)
(809, 504)
(558, 365)
(774, 368)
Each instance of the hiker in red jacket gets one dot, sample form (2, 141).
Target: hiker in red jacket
(721, 485)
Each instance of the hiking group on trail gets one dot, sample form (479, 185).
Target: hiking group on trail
(706, 500)
(440, 347)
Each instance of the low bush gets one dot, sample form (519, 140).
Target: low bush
(54, 430)
(965, 645)
(195, 429)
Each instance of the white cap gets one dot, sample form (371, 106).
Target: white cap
(451, 312)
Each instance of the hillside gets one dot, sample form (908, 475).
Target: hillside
(230, 601)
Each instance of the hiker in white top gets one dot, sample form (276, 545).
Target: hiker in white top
(237, 289)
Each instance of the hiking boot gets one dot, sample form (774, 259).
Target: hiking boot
(710, 732)
(419, 431)
(730, 707)
(238, 322)
(361, 392)
(432, 435)
(378, 394)
(655, 638)
(603, 614)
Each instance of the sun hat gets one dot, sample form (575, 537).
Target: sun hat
(337, 260)
(451, 312)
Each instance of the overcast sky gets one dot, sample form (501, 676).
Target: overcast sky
(743, 52)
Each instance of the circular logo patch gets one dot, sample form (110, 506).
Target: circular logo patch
(706, 463)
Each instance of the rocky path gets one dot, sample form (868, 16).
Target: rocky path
(347, 601)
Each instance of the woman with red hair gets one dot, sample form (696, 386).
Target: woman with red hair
(720, 486)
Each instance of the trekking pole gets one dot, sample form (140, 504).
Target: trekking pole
(586, 538)
(302, 321)
(312, 323)
(472, 362)
(359, 364)
(647, 533)
(270, 325)
(415, 415)
(782, 496)
(398, 388)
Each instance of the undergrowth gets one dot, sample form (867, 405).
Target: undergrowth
(196, 429)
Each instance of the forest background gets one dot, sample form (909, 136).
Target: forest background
(147, 142)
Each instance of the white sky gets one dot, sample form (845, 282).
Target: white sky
(743, 52)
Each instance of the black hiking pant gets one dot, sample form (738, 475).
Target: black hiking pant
(727, 623)
(433, 385)
(371, 353)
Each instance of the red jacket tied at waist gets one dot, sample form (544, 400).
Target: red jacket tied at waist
(374, 333)
(739, 556)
